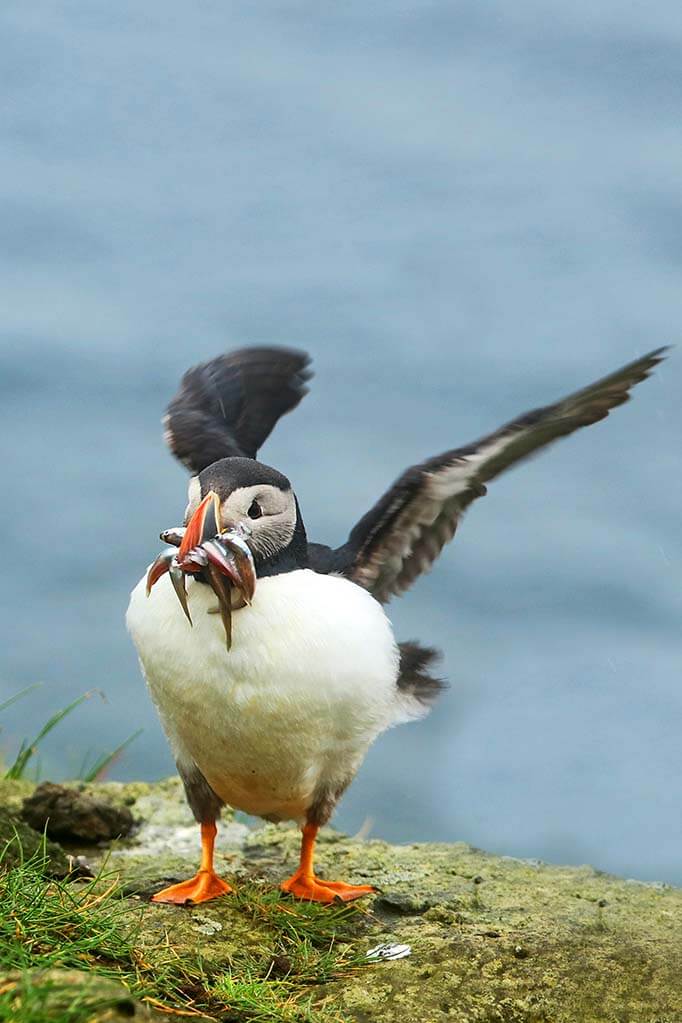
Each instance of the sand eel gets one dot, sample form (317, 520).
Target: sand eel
(278, 724)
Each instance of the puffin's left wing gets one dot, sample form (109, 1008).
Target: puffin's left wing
(405, 531)
(228, 406)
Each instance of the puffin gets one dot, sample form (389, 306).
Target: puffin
(270, 658)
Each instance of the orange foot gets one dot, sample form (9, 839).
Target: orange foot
(203, 886)
(314, 889)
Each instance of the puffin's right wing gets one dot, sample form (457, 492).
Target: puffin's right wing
(228, 406)
(405, 531)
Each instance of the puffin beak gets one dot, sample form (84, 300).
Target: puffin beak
(204, 524)
(205, 545)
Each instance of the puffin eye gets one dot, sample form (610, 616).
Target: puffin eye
(255, 511)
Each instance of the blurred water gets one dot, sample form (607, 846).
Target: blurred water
(462, 211)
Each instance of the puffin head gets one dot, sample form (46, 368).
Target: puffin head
(257, 501)
(242, 522)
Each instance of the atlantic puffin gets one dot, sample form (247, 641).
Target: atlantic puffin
(276, 720)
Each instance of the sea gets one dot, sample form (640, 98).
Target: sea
(461, 211)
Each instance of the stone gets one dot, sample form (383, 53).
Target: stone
(73, 814)
(402, 904)
(19, 842)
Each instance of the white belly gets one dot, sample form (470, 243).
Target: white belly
(309, 683)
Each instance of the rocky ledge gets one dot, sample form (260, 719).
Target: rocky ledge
(492, 939)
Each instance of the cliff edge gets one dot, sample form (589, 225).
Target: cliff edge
(491, 939)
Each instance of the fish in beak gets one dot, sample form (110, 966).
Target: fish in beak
(222, 555)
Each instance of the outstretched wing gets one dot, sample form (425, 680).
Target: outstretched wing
(405, 531)
(228, 406)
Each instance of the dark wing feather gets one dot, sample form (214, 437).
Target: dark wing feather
(402, 535)
(228, 406)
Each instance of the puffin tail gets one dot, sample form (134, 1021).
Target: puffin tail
(415, 682)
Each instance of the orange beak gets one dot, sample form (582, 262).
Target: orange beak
(224, 555)
(204, 524)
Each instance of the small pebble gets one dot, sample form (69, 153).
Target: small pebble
(205, 925)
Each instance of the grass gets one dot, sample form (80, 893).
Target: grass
(28, 750)
(267, 1001)
(305, 945)
(24, 1001)
(47, 925)
(99, 768)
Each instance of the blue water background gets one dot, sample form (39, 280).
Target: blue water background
(462, 210)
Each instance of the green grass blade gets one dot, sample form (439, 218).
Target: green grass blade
(106, 760)
(18, 696)
(28, 750)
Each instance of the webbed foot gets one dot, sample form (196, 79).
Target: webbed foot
(205, 885)
(314, 889)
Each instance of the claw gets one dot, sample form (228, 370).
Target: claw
(159, 567)
(222, 592)
(178, 580)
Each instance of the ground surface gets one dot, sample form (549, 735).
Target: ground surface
(493, 940)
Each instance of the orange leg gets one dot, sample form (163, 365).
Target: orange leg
(305, 885)
(205, 884)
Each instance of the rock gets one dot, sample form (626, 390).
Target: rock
(75, 815)
(56, 995)
(13, 792)
(493, 939)
(19, 842)
(402, 904)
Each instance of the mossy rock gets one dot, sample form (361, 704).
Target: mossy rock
(13, 794)
(493, 939)
(499, 941)
(19, 842)
(71, 996)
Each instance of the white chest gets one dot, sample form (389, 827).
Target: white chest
(309, 683)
